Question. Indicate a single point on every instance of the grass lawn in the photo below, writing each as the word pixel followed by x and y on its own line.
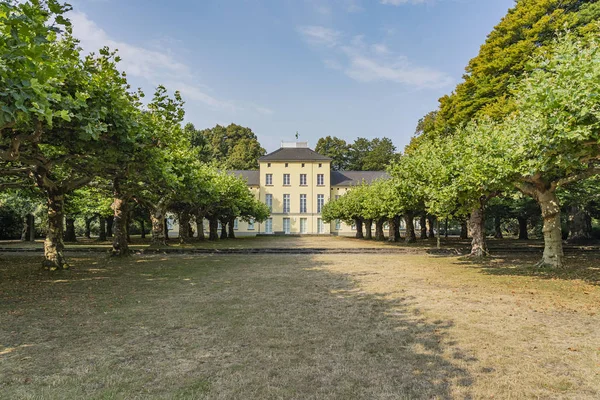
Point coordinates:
pixel 298 327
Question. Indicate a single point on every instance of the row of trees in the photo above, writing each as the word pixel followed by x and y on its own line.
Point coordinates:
pixel 73 131
pixel 526 119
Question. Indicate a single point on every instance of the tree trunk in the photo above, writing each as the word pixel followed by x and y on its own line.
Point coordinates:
pixel 53 245
pixel 523 234
pixel 553 247
pixel 394 230
pixel 431 221
pixel 143 228
pixel 213 228
pixel 102 234
pixel 223 229
pixel 28 234
pixel 157 218
pixel 477 227
pixel 464 230
pixel 109 226
pixel 579 227
pixel 120 246
pixel 446 228
pixel 368 227
pixel 498 227
pixel 128 227
pixel 166 227
pixel 409 218
pixel 423 226
pixel 231 225
pixel 70 235
pixel 200 226
pixel 184 227
pixel 88 227
pixel 358 222
pixel 379 235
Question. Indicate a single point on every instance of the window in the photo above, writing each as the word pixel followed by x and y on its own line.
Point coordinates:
pixel 303 223
pixel 320 227
pixel 268 165
pixel 235 224
pixel 302 179
pixel 338 224
pixel 286 179
pixel 251 225
pixel 320 202
pixel 286 226
pixel 286 165
pixel 302 165
pixel 302 203
pixel 269 201
pixel 286 203
pixel 337 196
pixel 269 225
pixel 320 165
pixel 269 179
pixel 219 227
pixel 320 180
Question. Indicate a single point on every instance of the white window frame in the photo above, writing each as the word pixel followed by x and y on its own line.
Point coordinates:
pixel 235 224
pixel 320 226
pixel 269 225
pixel 269 179
pixel 269 201
pixel 303 180
pixel 303 204
pixel 287 180
pixel 320 179
pixel 287 202
pixel 287 226
pixel 251 225
pixel 338 225
pixel 320 202
pixel 303 225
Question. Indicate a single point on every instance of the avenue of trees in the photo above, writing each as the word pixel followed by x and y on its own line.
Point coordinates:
pixel 74 136
pixel 518 138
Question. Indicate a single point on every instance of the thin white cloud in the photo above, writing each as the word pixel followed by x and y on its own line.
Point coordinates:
pixel 374 62
pixel 154 66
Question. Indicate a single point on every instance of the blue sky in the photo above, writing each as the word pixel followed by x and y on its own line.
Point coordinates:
pixel 346 68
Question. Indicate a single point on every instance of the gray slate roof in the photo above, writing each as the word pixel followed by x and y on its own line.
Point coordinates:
pixel 351 178
pixel 251 176
pixel 294 154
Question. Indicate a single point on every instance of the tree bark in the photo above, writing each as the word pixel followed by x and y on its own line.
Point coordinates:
pixel 157 218
pixel 498 227
pixel 477 227
pixel 423 226
pixel 128 226
pixel 223 229
pixel 394 229
pixel 523 234
pixel 120 245
pixel 464 230
pixel 553 248
pixel 409 218
pixel 102 234
pixel 53 244
pixel 166 227
pixel 143 228
pixel 231 225
pixel 368 227
pixel 184 227
pixel 70 235
pixel 379 235
pixel 431 221
pixel 446 228
pixel 213 228
pixel 579 226
pixel 109 226
pixel 200 225
pixel 88 226
pixel 358 222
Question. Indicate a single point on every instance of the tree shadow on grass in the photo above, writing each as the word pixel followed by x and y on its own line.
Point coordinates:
pixel 263 326
pixel 582 266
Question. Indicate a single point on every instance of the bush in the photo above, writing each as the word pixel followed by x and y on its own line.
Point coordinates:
pixel 11 225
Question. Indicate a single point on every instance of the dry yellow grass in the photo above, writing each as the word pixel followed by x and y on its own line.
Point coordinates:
pixel 297 327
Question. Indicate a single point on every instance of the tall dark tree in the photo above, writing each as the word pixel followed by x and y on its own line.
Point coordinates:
pixel 335 148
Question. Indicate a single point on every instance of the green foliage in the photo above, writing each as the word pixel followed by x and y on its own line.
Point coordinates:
pixel 362 155
pixel 335 148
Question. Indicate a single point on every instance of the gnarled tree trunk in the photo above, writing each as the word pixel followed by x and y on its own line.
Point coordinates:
pixel 120 246
pixel 394 229
pixel 368 227
pixel 199 225
pixel 53 245
pixel 358 222
pixel 28 233
pixel 411 237
pixel 184 227
pixel 379 235
pixel 477 228
pixel 431 222
pixel 464 230
pixel 423 226
pixel 166 227
pixel 553 248
pixel 109 226
pixel 157 217
pixel 223 229
pixel 70 235
pixel 88 226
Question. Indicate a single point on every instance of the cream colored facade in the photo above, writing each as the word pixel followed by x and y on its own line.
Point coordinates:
pixel 296 182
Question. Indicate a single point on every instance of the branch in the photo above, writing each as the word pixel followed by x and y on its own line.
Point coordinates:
pixel 77 183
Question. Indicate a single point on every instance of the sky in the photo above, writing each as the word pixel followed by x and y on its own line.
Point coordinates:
pixel 345 68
